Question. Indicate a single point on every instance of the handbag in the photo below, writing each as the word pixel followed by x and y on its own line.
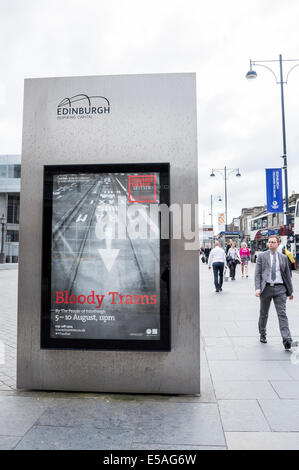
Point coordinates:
pixel 229 259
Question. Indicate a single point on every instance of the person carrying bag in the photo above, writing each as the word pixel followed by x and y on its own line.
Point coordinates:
pixel 245 257
pixel 232 260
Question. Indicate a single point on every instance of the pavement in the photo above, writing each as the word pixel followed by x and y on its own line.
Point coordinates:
pixel 249 397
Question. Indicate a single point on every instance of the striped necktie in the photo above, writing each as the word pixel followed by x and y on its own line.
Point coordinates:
pixel 273 269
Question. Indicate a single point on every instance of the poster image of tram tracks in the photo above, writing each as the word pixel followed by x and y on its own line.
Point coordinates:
pixel 105 280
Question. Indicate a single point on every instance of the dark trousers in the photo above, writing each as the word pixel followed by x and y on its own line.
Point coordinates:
pixel 232 270
pixel 279 296
pixel 218 274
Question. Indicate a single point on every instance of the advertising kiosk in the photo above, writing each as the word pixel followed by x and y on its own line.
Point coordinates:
pixel 108 296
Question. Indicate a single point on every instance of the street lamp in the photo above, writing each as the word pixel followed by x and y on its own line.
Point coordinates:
pixel 251 74
pixel 225 172
pixel 2 254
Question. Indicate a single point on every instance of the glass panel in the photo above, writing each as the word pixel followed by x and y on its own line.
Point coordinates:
pixel 12 236
pixel 106 268
pixel 13 209
pixel 17 171
pixel 3 171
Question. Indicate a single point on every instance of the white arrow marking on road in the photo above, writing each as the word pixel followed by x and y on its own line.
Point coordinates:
pixel 108 254
pixel 81 218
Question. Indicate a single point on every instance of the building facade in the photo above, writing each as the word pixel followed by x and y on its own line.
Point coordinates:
pixel 266 224
pixel 10 177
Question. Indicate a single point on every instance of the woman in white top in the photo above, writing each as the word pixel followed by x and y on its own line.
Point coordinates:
pixel 233 259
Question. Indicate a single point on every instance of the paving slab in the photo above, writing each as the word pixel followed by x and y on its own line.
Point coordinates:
pixel 249 328
pixel 18 414
pixel 212 329
pixel 262 352
pixel 8 442
pixel 292 369
pixel 287 389
pixel 244 390
pixel 262 440
pixel 242 415
pixel 216 341
pixel 75 438
pixel 104 413
pixel 4 387
pixel 204 366
pixel 282 417
pixel 221 353
pixel 154 446
pixel 248 370
pixel 180 424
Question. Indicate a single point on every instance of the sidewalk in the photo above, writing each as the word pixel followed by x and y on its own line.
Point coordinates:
pixel 249 399
pixel 256 385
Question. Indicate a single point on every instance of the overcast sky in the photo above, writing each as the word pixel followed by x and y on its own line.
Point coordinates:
pixel 239 122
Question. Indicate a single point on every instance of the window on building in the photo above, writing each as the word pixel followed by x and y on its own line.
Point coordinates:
pixel 13 209
pixel 3 171
pixel 12 236
pixel 14 171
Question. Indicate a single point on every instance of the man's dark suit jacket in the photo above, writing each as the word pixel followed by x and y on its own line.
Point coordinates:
pixel 263 268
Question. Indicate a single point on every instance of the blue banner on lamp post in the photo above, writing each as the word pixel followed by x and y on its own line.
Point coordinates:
pixel 274 190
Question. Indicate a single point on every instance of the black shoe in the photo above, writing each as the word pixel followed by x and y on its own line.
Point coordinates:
pixel 287 343
pixel 217 290
pixel 263 339
pixel 220 289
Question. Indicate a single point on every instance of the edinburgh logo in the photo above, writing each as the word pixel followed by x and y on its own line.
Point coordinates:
pixel 83 106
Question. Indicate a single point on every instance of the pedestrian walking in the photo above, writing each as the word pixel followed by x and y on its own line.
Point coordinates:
pixel 228 246
pixel 217 261
pixel 201 254
pixel 273 281
pixel 245 257
pixel 207 253
pixel 233 259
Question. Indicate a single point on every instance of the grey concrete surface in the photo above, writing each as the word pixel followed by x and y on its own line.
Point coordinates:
pixel 250 401
pixel 9 266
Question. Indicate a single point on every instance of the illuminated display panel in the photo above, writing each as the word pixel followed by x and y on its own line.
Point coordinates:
pixel 105 270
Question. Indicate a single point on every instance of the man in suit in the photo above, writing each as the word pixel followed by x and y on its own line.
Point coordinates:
pixel 273 281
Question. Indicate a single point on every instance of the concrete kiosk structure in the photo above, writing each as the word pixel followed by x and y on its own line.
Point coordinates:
pixel 151 118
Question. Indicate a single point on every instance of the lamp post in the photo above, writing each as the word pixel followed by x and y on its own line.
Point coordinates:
pixel 2 254
pixel 251 74
pixel 225 172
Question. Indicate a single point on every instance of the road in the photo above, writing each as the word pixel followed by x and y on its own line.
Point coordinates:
pixel 89 256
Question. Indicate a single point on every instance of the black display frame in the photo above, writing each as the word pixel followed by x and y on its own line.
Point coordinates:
pixel 47 342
